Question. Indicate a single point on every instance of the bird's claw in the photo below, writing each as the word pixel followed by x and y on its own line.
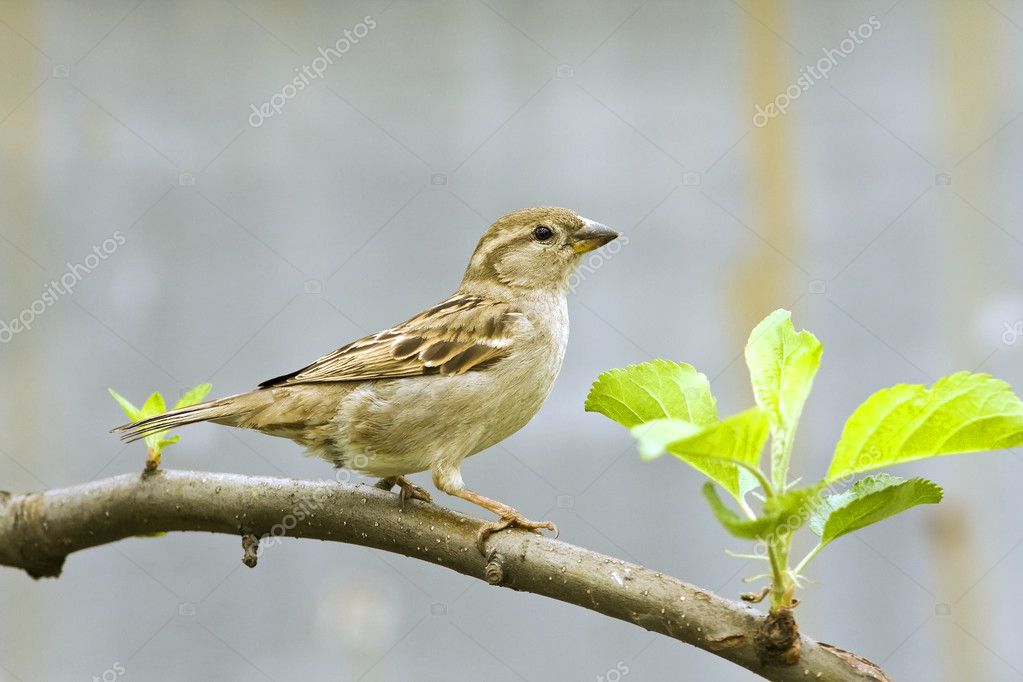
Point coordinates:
pixel 411 491
pixel 517 521
pixel 407 490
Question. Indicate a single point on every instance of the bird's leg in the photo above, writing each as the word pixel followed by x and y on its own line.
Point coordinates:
pixel 449 479
pixel 509 517
pixel 408 489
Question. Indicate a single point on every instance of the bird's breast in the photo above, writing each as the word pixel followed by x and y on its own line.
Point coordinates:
pixel 403 425
pixel 521 382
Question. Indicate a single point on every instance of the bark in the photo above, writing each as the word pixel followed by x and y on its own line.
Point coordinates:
pixel 39 530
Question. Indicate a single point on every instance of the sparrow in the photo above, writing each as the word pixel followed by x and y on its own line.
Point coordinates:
pixel 450 382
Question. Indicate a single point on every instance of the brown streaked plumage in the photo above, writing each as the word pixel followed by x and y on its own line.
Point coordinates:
pixel 441 386
pixel 452 337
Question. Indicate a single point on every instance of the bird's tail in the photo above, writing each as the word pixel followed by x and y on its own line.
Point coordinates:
pixel 228 411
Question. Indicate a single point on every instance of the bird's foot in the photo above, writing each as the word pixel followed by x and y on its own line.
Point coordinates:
pixel 407 489
pixel 512 520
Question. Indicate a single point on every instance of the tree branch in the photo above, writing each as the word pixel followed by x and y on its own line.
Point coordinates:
pixel 39 530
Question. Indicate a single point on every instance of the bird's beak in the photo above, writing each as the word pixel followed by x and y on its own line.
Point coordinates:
pixel 592 236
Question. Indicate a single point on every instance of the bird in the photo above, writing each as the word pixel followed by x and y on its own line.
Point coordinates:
pixel 450 382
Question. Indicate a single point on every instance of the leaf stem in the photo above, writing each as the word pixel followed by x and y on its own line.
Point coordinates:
pixel 778 585
pixel 807 559
pixel 780 464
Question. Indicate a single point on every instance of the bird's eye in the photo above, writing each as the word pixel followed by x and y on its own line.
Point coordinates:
pixel 542 233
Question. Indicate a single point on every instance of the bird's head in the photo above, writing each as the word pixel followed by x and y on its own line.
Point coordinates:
pixel 534 248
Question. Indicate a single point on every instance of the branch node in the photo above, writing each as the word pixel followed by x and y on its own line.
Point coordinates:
pixel 777 640
pixel 250 549
pixel 151 469
pixel 152 462
pixel 44 568
pixel 494 571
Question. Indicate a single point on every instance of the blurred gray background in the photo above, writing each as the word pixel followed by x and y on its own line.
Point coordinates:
pixel 883 208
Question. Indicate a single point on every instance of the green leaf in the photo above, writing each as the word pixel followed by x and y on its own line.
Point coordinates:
pixel 783 514
pixel 194 397
pixel 960 413
pixel 153 406
pixel 658 389
pixel 868 501
pixel 133 412
pixel 653 437
pixel 716 450
pixel 167 441
pixel 782 365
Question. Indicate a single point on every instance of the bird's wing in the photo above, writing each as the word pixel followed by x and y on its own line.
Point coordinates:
pixel 463 333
